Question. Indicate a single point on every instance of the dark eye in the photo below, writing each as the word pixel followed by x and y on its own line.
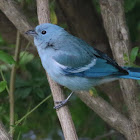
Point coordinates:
pixel 43 32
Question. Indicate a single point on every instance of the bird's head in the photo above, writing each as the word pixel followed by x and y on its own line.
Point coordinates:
pixel 44 33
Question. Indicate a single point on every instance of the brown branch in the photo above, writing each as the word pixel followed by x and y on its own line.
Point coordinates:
pixel 116 29
pixel 105 111
pixel 114 22
pixel 63 113
pixel 43 11
pixel 13 12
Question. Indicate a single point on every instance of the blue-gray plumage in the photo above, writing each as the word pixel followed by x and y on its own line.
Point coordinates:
pixel 73 63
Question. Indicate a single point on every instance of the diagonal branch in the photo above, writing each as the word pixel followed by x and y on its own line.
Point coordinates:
pixel 12 11
pixel 105 111
pixel 63 113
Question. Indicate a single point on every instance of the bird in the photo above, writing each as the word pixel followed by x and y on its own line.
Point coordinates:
pixel 73 63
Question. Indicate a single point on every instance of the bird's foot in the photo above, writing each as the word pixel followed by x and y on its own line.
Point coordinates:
pixel 62 103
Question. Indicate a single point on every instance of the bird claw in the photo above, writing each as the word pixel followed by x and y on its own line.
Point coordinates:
pixel 59 102
pixel 62 103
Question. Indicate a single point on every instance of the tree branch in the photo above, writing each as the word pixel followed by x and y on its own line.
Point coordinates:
pixel 105 111
pixel 12 84
pixel 116 29
pixel 63 113
pixel 114 22
pixel 3 134
pixel 13 12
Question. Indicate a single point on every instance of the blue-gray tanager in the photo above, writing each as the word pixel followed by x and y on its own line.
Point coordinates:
pixel 73 63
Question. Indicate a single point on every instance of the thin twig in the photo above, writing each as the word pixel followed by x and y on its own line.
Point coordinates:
pixel 20 132
pixel 26 115
pixel 12 83
pixel 25 49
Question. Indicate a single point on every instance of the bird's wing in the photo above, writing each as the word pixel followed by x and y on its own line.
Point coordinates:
pixel 77 58
pixel 97 65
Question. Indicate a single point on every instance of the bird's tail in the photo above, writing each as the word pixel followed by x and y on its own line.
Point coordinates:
pixel 134 73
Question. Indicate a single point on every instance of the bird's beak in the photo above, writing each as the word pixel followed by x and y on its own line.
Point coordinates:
pixel 31 32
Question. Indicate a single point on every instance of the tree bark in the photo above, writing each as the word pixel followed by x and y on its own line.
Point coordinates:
pixel 3 133
pixel 63 113
pixel 117 32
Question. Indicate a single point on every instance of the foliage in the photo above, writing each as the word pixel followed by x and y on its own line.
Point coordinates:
pixel 134 53
pixel 97 6
pixel 6 58
pixel 3 85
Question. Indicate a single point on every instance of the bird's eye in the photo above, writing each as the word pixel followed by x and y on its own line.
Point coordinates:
pixel 43 32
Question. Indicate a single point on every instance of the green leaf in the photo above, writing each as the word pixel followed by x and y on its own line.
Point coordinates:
pixel 3 85
pixel 126 58
pixel 133 54
pixel 93 92
pixel 25 58
pixel 6 58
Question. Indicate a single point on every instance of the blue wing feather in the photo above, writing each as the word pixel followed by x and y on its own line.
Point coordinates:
pixel 75 61
pixel 100 69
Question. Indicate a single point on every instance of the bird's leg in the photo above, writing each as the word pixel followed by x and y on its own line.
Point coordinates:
pixel 62 103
